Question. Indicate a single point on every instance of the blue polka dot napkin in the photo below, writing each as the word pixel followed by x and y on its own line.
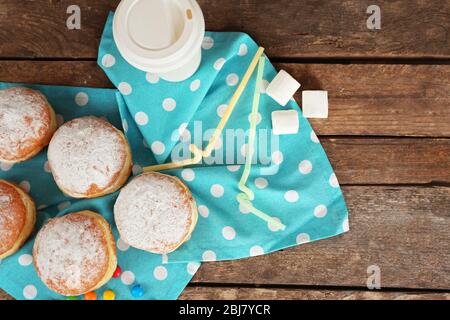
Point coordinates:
pixel 159 278
pixel 294 182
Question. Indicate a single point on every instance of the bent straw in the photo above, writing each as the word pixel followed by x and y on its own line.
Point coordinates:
pixel 247 194
pixel 198 153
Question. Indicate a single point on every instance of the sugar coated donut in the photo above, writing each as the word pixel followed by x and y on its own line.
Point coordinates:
pixel 27 123
pixel 155 213
pixel 17 218
pixel 75 253
pixel 89 157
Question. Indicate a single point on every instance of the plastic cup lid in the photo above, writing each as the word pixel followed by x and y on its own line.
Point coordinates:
pixel 160 35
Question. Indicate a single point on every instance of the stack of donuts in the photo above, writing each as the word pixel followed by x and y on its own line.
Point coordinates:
pixel 88 157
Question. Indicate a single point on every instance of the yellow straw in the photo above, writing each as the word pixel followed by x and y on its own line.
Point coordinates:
pixel 198 153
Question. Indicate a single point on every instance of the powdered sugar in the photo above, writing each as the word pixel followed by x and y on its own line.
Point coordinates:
pixel 70 252
pixel 86 154
pixel 153 212
pixel 23 120
pixel 5 219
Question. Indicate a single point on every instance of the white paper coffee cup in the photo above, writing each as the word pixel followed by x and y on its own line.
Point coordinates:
pixel 160 36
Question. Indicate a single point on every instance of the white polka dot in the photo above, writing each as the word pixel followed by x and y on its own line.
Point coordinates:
pixel 346 225
pixel 29 292
pixel 333 181
pixel 218 65
pixel 185 136
pixel 264 85
pixel 291 196
pixel 305 167
pixel 108 60
pixel 302 238
pixel 158 147
pixel 314 138
pixel 125 125
pixel 6 166
pixel 81 99
pixel 59 120
pixel 25 186
pixel 207 43
pixel 243 49
pixel 141 118
pixel 209 255
pixel 127 277
pixel 277 157
pixel 195 85
pixel 221 110
pixel 169 104
pixel 243 209
pixel 258 118
pixel 244 148
pixel 217 190
pixel 256 251
pixel 47 167
pixel 228 233
pixel 160 273
pixel 273 227
pixel 137 169
pixel 320 211
pixel 122 245
pixel 192 267
pixel 233 168
pixel 165 258
pixel 25 260
pixel 188 174
pixel 261 183
pixel 232 79
pixel 203 211
pixel 152 78
pixel 125 88
pixel 63 205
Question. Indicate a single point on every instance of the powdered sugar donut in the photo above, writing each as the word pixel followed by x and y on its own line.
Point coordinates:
pixel 75 253
pixel 17 218
pixel 155 212
pixel 89 157
pixel 27 123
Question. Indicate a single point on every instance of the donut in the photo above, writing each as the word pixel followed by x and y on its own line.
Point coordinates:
pixel 89 158
pixel 75 254
pixel 27 123
pixel 155 212
pixel 17 218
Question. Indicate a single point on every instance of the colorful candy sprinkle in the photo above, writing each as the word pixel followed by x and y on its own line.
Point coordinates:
pixel 72 298
pixel 117 272
pixel 90 296
pixel 109 295
pixel 137 291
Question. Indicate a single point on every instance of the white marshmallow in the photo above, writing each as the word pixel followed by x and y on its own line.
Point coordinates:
pixel 285 122
pixel 282 88
pixel 315 104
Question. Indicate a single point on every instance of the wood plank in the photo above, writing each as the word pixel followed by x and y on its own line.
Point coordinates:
pixel 225 293
pixel 367 99
pixel 403 230
pixel 288 29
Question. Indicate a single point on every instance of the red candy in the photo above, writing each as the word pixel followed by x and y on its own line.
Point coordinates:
pixel 117 273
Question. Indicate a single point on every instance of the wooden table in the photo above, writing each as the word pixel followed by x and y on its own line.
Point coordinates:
pixel 388 134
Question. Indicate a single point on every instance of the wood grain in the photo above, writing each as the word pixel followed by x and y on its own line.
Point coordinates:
pixel 288 29
pixel 224 293
pixel 366 99
pixel 403 230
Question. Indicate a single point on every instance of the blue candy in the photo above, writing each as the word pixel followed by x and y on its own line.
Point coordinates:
pixel 137 291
